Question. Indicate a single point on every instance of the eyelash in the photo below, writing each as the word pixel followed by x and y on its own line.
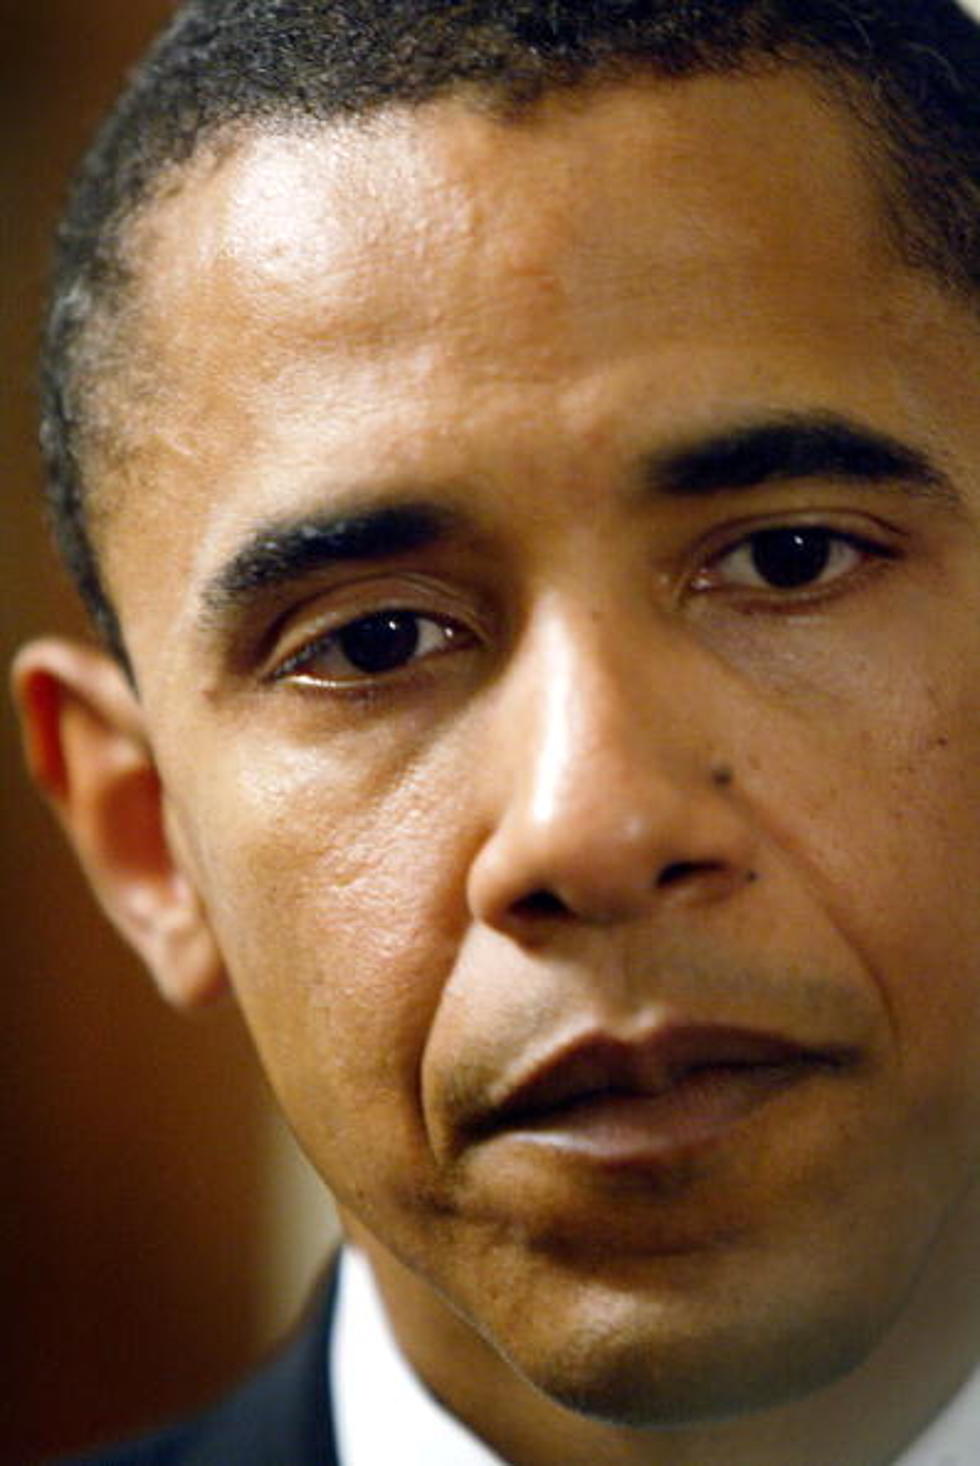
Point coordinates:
pixel 416 625
pixel 426 636
pixel 828 543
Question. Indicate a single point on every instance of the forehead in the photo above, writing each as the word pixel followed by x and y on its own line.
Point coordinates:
pixel 369 227
pixel 371 297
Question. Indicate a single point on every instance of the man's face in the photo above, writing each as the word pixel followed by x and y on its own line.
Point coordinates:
pixel 550 560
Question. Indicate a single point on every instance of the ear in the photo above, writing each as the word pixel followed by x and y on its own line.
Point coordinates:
pixel 88 753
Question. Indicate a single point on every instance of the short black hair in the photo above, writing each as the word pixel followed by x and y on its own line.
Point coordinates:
pixel 909 69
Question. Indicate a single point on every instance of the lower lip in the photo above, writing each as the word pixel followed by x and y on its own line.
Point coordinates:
pixel 638 1130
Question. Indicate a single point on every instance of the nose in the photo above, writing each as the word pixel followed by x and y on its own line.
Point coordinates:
pixel 607 787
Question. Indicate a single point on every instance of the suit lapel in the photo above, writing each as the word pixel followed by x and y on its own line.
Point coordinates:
pixel 282 1415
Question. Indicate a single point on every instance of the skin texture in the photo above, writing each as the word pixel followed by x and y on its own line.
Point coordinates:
pixel 630 785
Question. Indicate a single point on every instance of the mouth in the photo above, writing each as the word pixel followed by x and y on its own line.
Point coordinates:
pixel 645 1102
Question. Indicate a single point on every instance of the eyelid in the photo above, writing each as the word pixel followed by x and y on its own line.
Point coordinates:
pixel 320 646
pixel 319 622
pixel 870 537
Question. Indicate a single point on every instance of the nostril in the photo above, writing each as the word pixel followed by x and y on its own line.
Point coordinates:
pixel 683 870
pixel 540 903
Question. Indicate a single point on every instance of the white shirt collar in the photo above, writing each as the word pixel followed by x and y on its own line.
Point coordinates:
pixel 953 1437
pixel 383 1413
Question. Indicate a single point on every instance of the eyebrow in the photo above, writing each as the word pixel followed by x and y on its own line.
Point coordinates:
pixel 793 447
pixel 746 456
pixel 278 554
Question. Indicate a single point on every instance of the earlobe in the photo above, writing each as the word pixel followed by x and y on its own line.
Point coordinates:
pixel 88 752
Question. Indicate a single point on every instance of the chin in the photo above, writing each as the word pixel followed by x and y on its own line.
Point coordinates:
pixel 656 1373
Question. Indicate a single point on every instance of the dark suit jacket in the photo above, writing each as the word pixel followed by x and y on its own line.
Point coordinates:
pixel 281 1415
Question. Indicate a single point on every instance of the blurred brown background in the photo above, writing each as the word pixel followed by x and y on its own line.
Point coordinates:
pixel 140 1222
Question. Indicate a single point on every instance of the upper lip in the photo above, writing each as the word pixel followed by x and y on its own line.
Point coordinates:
pixel 602 1064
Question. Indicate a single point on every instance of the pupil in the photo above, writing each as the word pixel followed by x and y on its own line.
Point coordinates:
pixel 790 558
pixel 381 643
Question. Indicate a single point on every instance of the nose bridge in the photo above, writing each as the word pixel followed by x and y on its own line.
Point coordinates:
pixel 605 791
pixel 586 715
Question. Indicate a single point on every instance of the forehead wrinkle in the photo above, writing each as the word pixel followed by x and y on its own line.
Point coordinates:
pixel 295 276
pixel 291 215
pixel 253 228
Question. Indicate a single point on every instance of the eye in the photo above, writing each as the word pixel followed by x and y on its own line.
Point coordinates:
pixel 371 646
pixel 789 558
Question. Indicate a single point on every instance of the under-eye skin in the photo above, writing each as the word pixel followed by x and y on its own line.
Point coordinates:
pixel 371 648
pixel 787 562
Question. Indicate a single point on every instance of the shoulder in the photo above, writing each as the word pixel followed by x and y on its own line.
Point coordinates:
pixel 166 1449
pixel 280 1414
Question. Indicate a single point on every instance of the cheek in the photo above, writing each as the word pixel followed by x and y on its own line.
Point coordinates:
pixel 338 905
pixel 879 810
pixel 931 847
